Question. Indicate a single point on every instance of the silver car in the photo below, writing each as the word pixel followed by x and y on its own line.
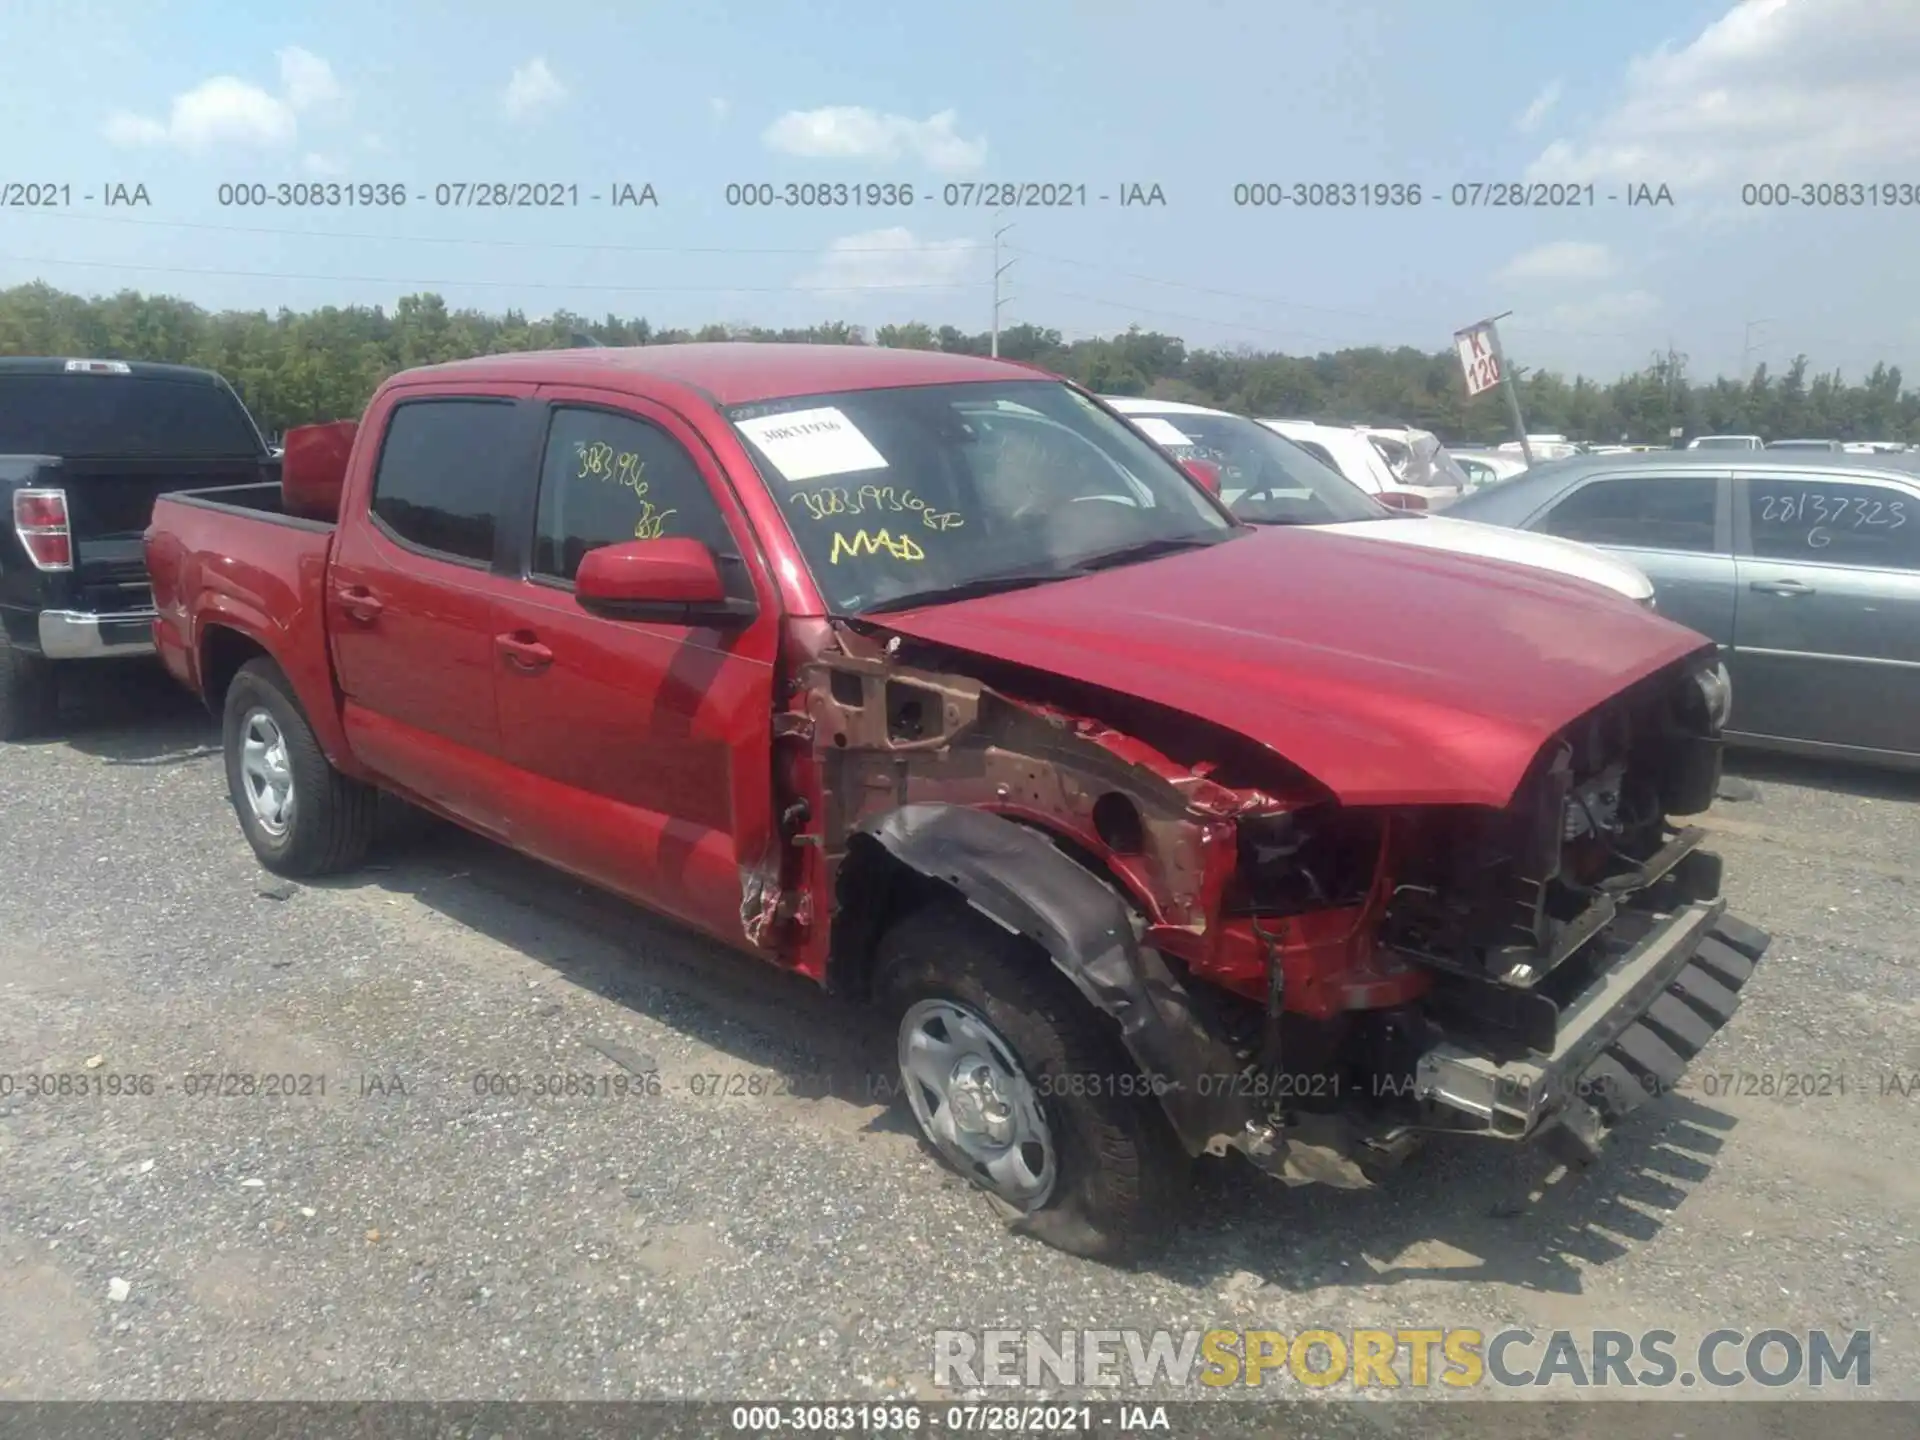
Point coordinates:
pixel 1805 567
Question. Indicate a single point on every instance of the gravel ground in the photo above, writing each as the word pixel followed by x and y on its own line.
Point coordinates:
pixel 405 1236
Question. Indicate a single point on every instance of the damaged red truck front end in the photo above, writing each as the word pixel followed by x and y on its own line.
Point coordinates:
pixel 1340 885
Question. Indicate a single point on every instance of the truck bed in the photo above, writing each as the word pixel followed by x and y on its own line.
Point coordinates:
pixel 230 559
pixel 261 501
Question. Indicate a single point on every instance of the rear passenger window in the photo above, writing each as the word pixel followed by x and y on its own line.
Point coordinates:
pixel 1834 523
pixel 609 478
pixel 1647 512
pixel 442 475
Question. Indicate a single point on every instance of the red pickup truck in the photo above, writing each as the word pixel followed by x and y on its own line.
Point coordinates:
pixel 928 677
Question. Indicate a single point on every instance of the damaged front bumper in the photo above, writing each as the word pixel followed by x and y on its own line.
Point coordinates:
pixel 1627 1038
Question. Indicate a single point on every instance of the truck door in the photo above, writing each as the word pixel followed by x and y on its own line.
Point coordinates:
pixel 412 584
pixel 645 749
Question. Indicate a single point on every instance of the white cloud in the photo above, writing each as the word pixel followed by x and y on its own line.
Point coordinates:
pixel 533 88
pixel 220 111
pixel 1561 260
pixel 323 166
pixel 227 110
pixel 1787 90
pixel 308 80
pixel 1531 117
pixel 720 107
pixel 890 259
pixel 839 132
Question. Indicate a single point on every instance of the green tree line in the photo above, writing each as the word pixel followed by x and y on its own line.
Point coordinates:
pixel 295 368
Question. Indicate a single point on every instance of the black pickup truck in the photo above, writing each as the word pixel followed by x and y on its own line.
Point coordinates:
pixel 85 447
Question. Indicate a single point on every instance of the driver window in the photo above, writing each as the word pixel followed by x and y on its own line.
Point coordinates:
pixel 608 478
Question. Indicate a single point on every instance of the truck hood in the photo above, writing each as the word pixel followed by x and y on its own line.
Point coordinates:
pixel 1393 675
pixel 1496 542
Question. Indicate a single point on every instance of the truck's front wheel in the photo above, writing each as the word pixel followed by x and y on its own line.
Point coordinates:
pixel 302 816
pixel 29 700
pixel 1024 1089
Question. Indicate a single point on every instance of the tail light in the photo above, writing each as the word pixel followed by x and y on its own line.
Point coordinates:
pixel 40 520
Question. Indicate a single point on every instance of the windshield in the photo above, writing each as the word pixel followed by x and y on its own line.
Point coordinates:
pixel 902 494
pixel 1264 477
pixel 131 416
pixel 1725 442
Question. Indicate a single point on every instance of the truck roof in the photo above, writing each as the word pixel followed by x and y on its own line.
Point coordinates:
pixel 733 372
pixel 139 369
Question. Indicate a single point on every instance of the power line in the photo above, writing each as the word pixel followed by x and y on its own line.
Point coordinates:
pixel 491 284
pixel 926 247
pixel 931 245
pixel 1264 330
pixel 1376 315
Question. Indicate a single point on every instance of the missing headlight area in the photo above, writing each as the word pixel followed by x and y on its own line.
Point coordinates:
pixel 1518 909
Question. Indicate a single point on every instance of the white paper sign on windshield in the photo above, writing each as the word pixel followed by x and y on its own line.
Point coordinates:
pixel 1161 432
pixel 807 444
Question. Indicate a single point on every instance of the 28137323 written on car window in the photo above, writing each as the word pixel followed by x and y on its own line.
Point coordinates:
pixel 1834 523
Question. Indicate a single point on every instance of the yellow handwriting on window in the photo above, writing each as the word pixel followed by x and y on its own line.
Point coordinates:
pixel 600 461
pixel 832 500
pixel 652 523
pixel 872 542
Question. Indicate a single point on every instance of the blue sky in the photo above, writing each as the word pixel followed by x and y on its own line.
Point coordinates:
pixel 1194 96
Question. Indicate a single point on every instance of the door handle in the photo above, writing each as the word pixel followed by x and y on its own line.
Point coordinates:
pixel 523 652
pixel 360 603
pixel 1787 588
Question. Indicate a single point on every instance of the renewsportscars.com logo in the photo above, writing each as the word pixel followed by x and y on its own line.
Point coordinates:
pixel 1366 1359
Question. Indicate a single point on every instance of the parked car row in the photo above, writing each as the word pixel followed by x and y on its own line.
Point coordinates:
pixel 1403 470
pixel 1754 442
pixel 1269 479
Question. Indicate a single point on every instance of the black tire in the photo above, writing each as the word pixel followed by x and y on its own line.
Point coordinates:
pixel 1120 1169
pixel 333 817
pixel 29 697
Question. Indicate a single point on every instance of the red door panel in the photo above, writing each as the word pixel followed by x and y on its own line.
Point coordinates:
pixel 643 751
pixel 412 627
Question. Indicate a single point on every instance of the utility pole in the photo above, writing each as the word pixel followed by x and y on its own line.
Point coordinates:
pixel 1675 391
pixel 1510 384
pixel 1746 347
pixel 998 299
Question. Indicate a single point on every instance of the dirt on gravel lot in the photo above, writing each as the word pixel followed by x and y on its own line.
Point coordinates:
pixel 758 1221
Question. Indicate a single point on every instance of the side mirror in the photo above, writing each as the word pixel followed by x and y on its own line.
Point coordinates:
pixel 1401 500
pixel 1205 472
pixel 671 582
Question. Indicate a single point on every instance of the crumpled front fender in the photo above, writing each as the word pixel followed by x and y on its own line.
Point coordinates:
pixel 1017 877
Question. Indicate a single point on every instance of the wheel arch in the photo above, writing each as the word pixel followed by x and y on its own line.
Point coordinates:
pixel 1020 879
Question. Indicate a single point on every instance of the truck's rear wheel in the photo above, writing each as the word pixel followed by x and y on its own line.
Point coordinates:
pixel 1024 1088
pixel 302 816
pixel 29 698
